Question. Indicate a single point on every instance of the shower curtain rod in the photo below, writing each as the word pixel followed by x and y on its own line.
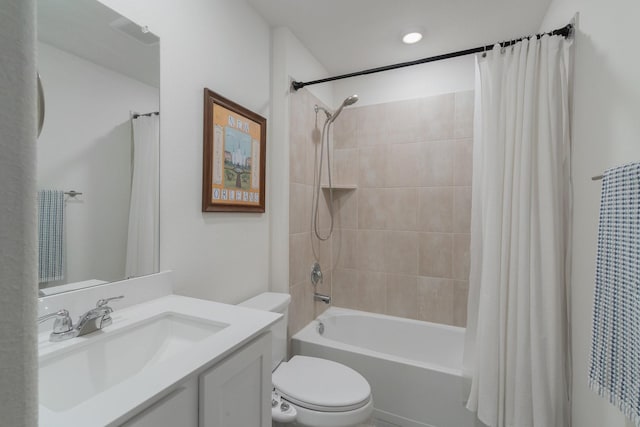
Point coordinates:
pixel 565 31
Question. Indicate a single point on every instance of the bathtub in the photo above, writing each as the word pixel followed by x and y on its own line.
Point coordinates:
pixel 414 367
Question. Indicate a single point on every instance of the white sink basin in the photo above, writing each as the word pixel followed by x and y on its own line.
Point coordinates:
pixel 105 359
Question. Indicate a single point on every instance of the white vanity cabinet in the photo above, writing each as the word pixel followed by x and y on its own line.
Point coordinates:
pixel 233 393
pixel 179 408
pixel 237 391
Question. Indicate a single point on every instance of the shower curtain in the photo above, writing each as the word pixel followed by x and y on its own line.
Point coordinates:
pixel 516 348
pixel 143 234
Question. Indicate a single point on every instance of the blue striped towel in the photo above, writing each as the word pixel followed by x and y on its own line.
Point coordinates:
pixel 50 235
pixel 615 341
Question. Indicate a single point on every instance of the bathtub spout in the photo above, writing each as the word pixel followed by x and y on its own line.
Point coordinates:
pixel 324 298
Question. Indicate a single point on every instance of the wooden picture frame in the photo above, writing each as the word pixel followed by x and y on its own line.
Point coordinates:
pixel 234 157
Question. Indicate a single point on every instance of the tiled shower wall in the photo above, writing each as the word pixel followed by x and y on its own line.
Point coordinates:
pixel 402 244
pixel 304 140
pixel 401 239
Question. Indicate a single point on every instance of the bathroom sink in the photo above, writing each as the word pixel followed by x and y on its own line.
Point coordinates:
pixel 107 358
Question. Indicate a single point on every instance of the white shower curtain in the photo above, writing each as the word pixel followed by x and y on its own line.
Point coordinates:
pixel 516 349
pixel 143 236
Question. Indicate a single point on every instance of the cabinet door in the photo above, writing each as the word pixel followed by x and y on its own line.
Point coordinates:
pixel 236 392
pixel 179 408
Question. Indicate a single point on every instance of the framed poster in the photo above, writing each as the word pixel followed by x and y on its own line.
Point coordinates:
pixel 234 159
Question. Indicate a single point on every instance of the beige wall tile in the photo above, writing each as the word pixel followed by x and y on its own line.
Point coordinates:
pixel 401 165
pixel 371 250
pixel 461 243
pixel 462 210
pixel 463 124
pixel 299 257
pixel 321 251
pixel 345 129
pixel 324 153
pixel 345 254
pixel 400 252
pixel 345 166
pixel 402 296
pixel 460 294
pixel 372 290
pixel 463 162
pixel 298 116
pixel 435 300
pixel 300 309
pixel 372 212
pixel 313 155
pixel 435 254
pixel 435 210
pixel 435 117
pixel 346 208
pixel 298 162
pixel 345 288
pixel 372 166
pixel 435 164
pixel 403 123
pixel 323 209
pixel 400 207
pixel 372 124
pixel 299 207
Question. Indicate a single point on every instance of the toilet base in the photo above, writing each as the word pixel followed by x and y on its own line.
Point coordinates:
pixel 310 418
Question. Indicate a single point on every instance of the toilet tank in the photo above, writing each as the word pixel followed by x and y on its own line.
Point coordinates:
pixel 276 303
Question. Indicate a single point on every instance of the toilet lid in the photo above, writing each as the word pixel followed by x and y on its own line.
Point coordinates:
pixel 321 384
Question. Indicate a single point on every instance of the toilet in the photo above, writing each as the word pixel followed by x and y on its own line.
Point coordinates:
pixel 309 391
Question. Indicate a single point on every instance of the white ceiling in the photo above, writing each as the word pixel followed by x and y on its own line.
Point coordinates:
pixel 352 35
pixel 82 27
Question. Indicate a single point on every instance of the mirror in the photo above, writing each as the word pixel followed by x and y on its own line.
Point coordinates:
pixel 98 153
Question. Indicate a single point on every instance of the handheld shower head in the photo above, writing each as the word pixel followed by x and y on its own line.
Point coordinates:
pixel 349 101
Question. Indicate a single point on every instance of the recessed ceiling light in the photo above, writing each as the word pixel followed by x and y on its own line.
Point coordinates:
pixel 412 37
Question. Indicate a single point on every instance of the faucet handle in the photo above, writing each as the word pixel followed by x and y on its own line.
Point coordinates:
pixel 106 318
pixel 62 327
pixel 63 321
pixel 104 301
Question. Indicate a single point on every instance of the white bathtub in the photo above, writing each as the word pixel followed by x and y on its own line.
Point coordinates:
pixel 414 367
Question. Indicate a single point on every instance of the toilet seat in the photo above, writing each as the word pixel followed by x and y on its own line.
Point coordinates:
pixel 321 385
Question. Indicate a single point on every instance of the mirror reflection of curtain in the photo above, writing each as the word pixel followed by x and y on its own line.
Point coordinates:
pixel 143 235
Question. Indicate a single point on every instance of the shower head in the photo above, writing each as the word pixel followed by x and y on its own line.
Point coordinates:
pixel 349 101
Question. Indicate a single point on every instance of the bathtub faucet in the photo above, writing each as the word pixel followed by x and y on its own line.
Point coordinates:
pixel 324 298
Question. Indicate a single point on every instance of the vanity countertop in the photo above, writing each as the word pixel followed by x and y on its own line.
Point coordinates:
pixel 122 400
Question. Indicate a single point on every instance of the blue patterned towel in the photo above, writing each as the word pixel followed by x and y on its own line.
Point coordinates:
pixel 615 342
pixel 50 235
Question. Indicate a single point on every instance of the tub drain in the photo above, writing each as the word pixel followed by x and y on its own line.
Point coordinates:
pixel 320 328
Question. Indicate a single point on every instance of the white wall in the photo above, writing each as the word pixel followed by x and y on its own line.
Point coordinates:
pixel 222 45
pixel 18 248
pixel 606 133
pixel 418 81
pixel 291 60
pixel 85 146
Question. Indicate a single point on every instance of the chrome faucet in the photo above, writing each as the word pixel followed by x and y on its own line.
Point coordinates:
pixel 96 318
pixel 91 321
pixel 62 327
pixel 323 298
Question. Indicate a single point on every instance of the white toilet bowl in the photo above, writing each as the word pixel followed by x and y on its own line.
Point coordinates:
pixel 322 393
pixel 309 391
